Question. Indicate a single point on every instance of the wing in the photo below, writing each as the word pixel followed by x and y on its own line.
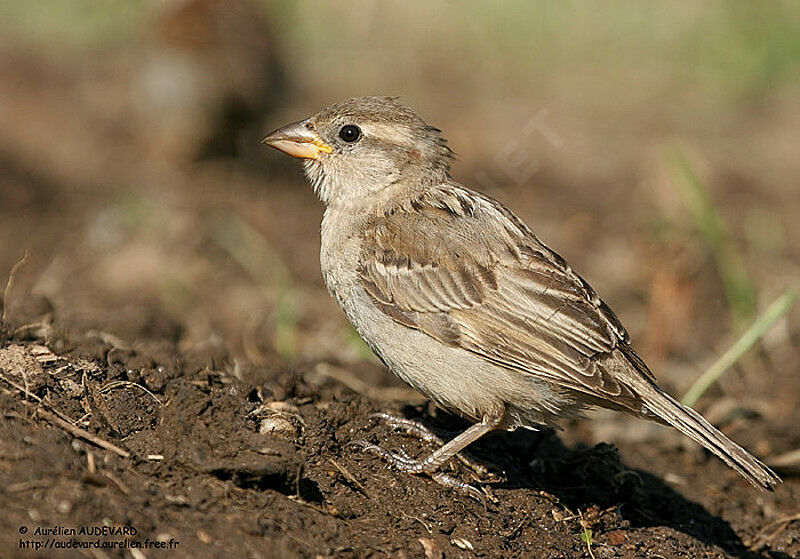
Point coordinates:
pixel 463 269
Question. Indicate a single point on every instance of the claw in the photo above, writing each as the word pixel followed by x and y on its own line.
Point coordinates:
pixel 460 486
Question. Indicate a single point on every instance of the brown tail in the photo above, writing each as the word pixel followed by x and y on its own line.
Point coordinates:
pixel 695 426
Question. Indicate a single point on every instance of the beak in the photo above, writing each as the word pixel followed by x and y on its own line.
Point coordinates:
pixel 298 139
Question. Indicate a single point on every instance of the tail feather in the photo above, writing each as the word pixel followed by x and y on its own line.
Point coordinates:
pixel 697 428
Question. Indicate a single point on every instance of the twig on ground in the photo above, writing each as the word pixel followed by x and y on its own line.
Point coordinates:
pixel 350 477
pixel 65 422
pixel 760 540
pixel 587 535
pixel 31 396
pixel 753 334
pixel 83 433
pixel 116 481
pixel 27 485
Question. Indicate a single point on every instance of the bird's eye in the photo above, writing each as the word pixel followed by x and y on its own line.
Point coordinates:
pixel 350 133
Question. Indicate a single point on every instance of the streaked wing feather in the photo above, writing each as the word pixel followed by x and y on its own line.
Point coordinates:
pixel 461 268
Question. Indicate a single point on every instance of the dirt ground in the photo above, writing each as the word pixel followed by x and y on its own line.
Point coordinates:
pixel 121 422
pixel 175 380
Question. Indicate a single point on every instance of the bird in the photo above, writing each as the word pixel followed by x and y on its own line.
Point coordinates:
pixel 460 299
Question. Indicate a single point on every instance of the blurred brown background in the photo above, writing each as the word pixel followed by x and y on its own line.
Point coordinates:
pixel 131 170
pixel 166 294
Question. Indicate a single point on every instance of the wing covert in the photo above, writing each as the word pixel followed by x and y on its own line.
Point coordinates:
pixel 464 270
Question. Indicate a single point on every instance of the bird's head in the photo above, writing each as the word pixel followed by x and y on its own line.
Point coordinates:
pixel 363 146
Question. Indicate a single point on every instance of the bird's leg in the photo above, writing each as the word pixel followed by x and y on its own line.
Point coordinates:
pixel 423 433
pixel 433 462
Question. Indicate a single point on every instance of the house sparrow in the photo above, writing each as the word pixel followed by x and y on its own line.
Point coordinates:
pixel 459 298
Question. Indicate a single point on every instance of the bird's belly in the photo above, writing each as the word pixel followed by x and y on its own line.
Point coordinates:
pixel 452 377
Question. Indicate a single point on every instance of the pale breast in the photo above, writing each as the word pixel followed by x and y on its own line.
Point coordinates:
pixel 454 378
pixel 339 251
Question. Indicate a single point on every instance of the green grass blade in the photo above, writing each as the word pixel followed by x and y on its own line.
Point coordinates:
pixel 751 336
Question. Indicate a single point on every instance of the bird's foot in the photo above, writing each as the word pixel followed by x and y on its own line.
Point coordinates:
pixel 405 463
pixel 423 433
